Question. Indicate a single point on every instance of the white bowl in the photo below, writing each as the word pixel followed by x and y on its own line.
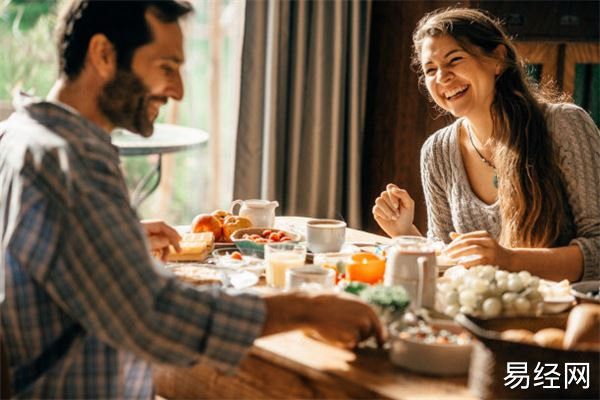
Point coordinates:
pixel 555 305
pixel 430 358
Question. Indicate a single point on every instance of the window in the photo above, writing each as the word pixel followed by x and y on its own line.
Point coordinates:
pixel 193 181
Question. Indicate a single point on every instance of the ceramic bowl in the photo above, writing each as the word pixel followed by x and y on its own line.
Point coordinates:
pixel 430 358
pixel 250 247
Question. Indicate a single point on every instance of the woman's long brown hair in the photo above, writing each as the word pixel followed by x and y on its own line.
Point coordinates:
pixel 533 205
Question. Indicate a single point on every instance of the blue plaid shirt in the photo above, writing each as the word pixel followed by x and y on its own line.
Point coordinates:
pixel 87 309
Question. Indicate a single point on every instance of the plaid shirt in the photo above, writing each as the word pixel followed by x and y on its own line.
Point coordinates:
pixel 86 308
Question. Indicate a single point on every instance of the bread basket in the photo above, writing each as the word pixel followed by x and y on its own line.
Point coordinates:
pixel 491 355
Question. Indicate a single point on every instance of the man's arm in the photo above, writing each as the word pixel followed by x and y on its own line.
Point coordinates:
pixel 97 267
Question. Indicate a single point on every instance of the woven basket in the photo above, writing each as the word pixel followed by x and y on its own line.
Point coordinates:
pixel 491 355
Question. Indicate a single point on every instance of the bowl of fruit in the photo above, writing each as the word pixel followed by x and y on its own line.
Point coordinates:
pixel 251 241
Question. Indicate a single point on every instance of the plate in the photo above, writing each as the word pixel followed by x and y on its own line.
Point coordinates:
pixel 224 261
pixel 581 289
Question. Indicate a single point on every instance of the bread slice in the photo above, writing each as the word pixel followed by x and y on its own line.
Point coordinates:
pixel 194 247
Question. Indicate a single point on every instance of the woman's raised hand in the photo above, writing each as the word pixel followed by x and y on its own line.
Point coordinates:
pixel 394 211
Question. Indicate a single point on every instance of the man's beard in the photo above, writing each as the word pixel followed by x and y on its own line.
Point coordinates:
pixel 124 101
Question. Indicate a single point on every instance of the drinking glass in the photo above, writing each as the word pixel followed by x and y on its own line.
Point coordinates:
pixel 309 278
pixel 280 257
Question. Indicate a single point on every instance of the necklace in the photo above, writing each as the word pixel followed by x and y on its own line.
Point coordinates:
pixel 485 160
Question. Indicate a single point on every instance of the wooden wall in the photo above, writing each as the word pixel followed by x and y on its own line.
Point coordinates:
pixel 399 117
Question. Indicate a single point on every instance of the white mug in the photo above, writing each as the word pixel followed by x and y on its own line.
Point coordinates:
pixel 325 235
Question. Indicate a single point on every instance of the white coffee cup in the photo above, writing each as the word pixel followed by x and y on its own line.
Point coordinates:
pixel 325 235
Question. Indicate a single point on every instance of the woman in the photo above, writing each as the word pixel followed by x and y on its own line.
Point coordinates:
pixel 514 181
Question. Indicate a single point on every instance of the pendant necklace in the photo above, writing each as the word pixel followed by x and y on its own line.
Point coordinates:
pixel 495 177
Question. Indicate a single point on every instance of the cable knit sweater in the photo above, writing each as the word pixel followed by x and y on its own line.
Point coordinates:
pixel 452 205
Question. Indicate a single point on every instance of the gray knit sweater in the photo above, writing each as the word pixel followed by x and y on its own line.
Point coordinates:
pixel 452 205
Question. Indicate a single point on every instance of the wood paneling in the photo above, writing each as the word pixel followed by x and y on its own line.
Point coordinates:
pixel 547 20
pixel 545 53
pixel 578 53
pixel 399 118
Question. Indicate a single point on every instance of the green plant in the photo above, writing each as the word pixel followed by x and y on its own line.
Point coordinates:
pixel 29 61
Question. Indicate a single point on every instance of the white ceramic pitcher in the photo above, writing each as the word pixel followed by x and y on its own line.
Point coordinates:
pixel 260 212
pixel 411 263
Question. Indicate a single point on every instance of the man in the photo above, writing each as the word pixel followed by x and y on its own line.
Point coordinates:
pixel 86 309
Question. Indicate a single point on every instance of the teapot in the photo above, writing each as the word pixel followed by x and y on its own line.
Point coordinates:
pixel 260 212
pixel 411 262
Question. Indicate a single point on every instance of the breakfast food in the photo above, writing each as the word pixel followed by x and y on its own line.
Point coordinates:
pixel 583 328
pixel 488 292
pixel 268 236
pixel 207 223
pixel 232 223
pixel 194 247
pixel 221 223
pixel 582 333
pixel 196 274
pixel 221 215
pixel 518 335
pixel 431 334
pixel 550 337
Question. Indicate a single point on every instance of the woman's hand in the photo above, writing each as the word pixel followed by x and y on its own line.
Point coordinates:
pixel 394 211
pixel 160 236
pixel 480 248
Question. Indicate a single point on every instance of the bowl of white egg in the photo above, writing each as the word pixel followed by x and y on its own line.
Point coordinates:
pixel 488 292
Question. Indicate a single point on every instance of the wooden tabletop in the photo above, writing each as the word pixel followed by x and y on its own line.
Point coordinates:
pixel 292 365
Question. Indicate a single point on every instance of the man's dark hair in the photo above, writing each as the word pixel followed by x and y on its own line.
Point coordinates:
pixel 122 22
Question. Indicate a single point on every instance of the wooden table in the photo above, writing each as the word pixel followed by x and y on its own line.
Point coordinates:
pixel 291 365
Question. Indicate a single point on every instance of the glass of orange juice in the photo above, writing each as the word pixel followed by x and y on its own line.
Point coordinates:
pixel 280 257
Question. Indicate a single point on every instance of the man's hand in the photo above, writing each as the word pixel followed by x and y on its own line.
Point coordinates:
pixel 160 235
pixel 340 319
pixel 394 211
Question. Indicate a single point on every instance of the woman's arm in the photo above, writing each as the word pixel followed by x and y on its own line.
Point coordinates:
pixel 477 248
pixel 578 148
pixel 555 264
pixel 433 177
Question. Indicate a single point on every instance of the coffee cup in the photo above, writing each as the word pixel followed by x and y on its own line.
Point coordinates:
pixel 325 235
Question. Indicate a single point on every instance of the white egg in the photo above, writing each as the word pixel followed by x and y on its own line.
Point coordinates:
pixel 522 305
pixel 525 277
pixel 534 282
pixel 534 296
pixel 479 285
pixel 494 290
pixel 468 298
pixel 492 307
pixel 502 285
pixel 515 284
pixel 501 274
pixel 509 298
pixel 488 273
